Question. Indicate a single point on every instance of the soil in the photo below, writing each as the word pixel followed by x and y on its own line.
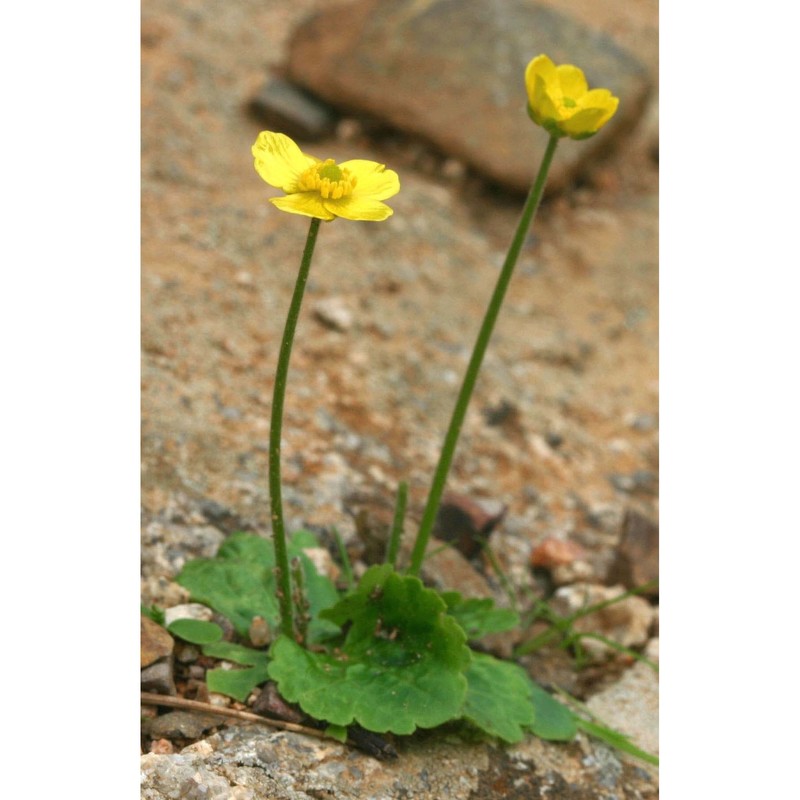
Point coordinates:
pixel 574 354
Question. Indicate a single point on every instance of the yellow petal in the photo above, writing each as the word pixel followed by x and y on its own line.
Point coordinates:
pixel 560 101
pixel 599 98
pixel 588 120
pixel 542 67
pixel 308 204
pixel 572 81
pixel 358 208
pixel 279 161
pixel 373 180
pixel 543 103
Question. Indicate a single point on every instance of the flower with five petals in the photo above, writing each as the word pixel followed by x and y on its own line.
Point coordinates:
pixel 323 189
pixel 559 99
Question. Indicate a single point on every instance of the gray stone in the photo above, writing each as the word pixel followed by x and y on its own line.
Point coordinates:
pixel 642 481
pixel 158 678
pixel 183 776
pixel 284 107
pixel 334 313
pixel 631 705
pixel 636 562
pixel 181 725
pixel 452 72
pixel 248 762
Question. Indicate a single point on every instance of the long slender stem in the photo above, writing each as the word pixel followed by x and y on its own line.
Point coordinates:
pixel 279 392
pixel 460 410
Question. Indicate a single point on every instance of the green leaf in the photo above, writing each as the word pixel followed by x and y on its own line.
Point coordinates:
pixel 616 739
pixel 499 697
pixel 154 613
pixel 236 683
pixel 240 582
pixel 337 732
pixel 238 653
pixel 196 631
pixel 552 720
pixel 321 593
pixel 479 616
pixel 400 667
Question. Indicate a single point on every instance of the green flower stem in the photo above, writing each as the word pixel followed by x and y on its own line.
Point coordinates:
pixel 397 523
pixel 460 410
pixel 278 393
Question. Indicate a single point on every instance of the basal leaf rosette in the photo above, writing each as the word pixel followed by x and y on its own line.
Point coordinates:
pixel 559 99
pixel 323 189
pixel 400 667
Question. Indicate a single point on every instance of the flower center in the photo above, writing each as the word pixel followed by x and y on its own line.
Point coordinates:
pixel 330 180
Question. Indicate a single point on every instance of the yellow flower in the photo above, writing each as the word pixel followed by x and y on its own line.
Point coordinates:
pixel 560 101
pixel 323 189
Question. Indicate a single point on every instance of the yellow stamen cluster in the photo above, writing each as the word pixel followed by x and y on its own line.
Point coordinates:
pixel 327 178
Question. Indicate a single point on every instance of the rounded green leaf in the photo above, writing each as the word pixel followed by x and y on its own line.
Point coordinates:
pixel 196 631
pixel 553 720
pixel 240 582
pixel 499 697
pixel 401 666
pixel 236 683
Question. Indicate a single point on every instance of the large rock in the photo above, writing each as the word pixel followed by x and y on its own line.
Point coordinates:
pixel 241 763
pixel 452 71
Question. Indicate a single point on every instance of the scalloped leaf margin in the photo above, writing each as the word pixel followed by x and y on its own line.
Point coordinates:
pixel 401 666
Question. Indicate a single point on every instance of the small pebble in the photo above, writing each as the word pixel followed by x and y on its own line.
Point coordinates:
pixel 259 632
pixel 334 314
pixel 186 653
pixel 467 523
pixel 158 678
pixel 555 552
pixel 643 422
pixel 188 611
pixel 642 480
pixel 636 561
pixel 323 562
pixel 245 278
pixel 555 440
pixel 155 642
pixel 453 169
pixel 500 413
pixel 162 747
pixel 349 129
pixel 565 574
pixel 182 725
pixel 623 483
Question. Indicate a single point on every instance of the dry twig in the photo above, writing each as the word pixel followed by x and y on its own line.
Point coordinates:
pixel 152 699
